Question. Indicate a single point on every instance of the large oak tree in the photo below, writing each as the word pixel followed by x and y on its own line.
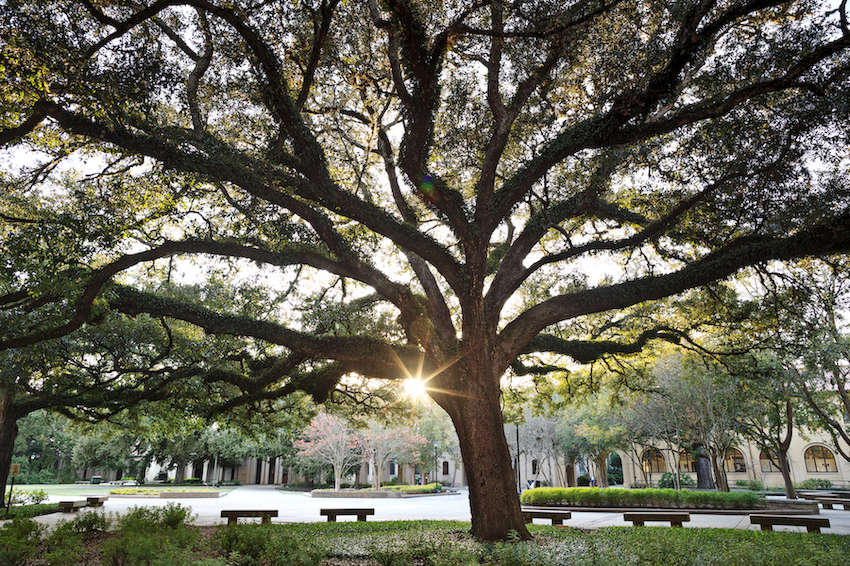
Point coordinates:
pixel 424 187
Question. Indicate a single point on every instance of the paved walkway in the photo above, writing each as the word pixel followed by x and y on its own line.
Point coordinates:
pixel 301 508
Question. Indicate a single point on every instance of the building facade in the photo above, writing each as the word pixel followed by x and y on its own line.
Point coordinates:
pixel 810 457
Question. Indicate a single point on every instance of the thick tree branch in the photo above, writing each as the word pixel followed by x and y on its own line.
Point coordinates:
pixel 825 237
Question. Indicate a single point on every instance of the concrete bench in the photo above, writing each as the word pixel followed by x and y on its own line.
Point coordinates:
pixel 828 502
pixel 556 515
pixel 96 500
pixel 332 514
pixel 232 516
pixel 72 506
pixel 639 518
pixel 812 524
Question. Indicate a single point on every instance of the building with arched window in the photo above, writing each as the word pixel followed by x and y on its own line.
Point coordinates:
pixel 809 458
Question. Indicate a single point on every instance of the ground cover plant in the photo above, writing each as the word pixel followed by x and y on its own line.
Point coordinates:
pixel 667 498
pixel 159 537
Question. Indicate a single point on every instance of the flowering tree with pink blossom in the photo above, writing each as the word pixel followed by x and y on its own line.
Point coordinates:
pixel 379 445
pixel 329 440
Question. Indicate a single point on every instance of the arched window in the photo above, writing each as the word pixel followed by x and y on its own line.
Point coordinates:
pixel 653 462
pixel 819 459
pixel 767 465
pixel 733 461
pixel 686 464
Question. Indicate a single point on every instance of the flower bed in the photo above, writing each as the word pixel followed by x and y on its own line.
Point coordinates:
pixel 163 493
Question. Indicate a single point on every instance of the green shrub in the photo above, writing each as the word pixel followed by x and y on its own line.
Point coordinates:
pixel 814 483
pixel 583 480
pixel 92 522
pixel 19 539
pixel 34 497
pixel 668 481
pixel 248 544
pixel 427 488
pixel 64 545
pixel 595 497
pixel 752 485
pixel 151 536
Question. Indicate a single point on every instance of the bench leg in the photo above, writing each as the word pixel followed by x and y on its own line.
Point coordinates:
pixel 232 521
pixel 361 518
pixel 266 520
pixel 557 521
pixel 637 523
pixel 766 527
pixel 331 518
pixel 813 529
pixel 676 524
pixel 827 505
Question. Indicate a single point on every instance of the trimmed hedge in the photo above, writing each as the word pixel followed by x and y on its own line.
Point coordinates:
pixel 661 498
pixel 427 488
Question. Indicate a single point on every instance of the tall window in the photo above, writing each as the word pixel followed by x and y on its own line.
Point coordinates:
pixel 819 459
pixel 653 462
pixel 534 467
pixel 767 464
pixel 686 464
pixel 733 461
pixel 445 468
pixel 392 467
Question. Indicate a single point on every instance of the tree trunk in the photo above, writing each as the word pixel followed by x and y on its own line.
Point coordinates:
pixel 8 433
pixel 601 461
pixel 337 477
pixel 719 473
pixel 180 474
pixel 785 468
pixel 782 452
pixel 493 497
pixel 703 466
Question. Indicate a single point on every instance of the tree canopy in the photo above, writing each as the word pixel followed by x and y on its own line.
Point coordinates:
pixel 388 188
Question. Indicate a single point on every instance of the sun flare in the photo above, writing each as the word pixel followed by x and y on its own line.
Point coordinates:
pixel 414 387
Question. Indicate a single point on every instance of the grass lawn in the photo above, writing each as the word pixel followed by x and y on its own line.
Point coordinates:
pixel 159 537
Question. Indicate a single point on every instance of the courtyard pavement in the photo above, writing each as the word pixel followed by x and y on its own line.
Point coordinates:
pixel 297 507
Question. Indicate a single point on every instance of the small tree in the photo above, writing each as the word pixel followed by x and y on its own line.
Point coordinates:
pixel 329 440
pixel 379 445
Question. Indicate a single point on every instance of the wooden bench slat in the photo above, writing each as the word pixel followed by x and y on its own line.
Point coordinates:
pixel 639 518
pixel 557 516
pixel 828 502
pixel 72 506
pixel 233 515
pixel 332 514
pixel 767 522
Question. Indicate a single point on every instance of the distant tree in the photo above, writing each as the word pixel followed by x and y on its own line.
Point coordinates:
pixel 105 450
pixel 809 302
pixel 45 442
pixel 708 401
pixel 593 427
pixel 329 440
pixel 770 412
pixel 93 374
pixel 380 444
pixel 434 424
pixel 539 441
